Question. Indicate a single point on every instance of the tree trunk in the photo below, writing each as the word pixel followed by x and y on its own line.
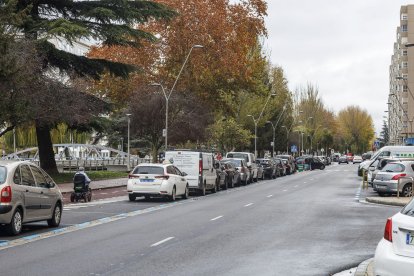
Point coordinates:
pixel 45 146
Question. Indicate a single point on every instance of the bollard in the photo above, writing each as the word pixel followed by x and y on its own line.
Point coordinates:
pixel 398 187
pixel 364 179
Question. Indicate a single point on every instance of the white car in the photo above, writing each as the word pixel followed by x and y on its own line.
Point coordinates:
pixel 357 159
pixel 395 252
pixel 157 180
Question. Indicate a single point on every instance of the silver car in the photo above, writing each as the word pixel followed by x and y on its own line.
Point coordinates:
pixel 27 194
pixel 386 181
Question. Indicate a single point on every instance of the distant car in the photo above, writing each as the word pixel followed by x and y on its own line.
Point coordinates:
pixel 386 181
pixel 280 167
pixel 357 159
pixel 316 163
pixel 157 180
pixel 27 194
pixel 395 252
pixel 222 181
pixel 290 160
pixel 250 160
pixel 268 166
pixel 233 175
pixel 343 159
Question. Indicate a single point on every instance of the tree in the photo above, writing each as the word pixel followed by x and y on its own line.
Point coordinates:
pixel 356 128
pixel 385 137
pixel 110 22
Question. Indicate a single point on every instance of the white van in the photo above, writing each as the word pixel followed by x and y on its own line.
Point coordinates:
pixel 389 152
pixel 250 161
pixel 199 167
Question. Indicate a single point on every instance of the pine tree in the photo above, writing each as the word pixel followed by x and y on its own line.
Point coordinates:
pixel 385 134
pixel 112 22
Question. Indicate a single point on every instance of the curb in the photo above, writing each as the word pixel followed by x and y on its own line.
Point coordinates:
pixel 98 188
pixel 391 203
pixel 365 268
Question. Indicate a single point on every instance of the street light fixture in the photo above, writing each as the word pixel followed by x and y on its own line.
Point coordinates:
pixel 129 158
pixel 167 97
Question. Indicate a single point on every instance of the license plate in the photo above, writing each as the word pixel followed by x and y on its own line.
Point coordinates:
pixel 147 180
pixel 410 239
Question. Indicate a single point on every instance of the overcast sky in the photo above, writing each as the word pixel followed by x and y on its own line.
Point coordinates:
pixel 343 47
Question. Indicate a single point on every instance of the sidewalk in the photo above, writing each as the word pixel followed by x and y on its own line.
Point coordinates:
pixel 365 268
pixel 394 201
pixel 96 185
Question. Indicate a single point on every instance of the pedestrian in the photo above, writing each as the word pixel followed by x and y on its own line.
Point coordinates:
pixel 81 171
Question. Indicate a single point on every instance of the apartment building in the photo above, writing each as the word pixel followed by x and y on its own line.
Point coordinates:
pixel 401 98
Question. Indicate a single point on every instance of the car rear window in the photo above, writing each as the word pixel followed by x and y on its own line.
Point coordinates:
pixel 393 167
pixel 409 209
pixel 3 174
pixel 148 170
pixel 239 155
pixel 236 163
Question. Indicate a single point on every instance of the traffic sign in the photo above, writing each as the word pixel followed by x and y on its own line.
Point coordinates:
pixel 293 148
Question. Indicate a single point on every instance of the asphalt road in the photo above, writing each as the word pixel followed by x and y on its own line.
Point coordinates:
pixel 310 223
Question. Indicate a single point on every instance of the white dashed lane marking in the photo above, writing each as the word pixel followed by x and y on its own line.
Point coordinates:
pixel 161 242
pixel 216 218
pixel 247 205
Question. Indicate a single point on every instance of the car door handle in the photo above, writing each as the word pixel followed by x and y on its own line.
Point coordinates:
pixel 27 191
pixel 41 192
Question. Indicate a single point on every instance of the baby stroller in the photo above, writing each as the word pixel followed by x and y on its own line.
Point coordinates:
pixel 81 189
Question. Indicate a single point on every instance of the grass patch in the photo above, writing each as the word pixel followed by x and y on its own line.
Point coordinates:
pixel 93 175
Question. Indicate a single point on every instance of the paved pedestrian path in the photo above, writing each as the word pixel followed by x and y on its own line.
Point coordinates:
pixel 96 185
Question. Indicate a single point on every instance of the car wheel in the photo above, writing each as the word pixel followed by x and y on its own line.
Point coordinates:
pixel 239 181
pixel 173 194
pixel 226 183
pixel 90 195
pixel 407 190
pixel 322 167
pixel 185 195
pixel 147 197
pixel 15 226
pixel 257 178
pixel 132 197
pixel 72 198
pixel 85 197
pixel 56 217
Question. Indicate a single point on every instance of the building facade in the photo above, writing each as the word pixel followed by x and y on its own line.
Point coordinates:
pixel 401 98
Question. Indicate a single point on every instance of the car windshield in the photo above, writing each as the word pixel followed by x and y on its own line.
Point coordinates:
pixel 3 174
pixel 408 209
pixel 238 155
pixel 235 162
pixel 148 170
pixel 393 167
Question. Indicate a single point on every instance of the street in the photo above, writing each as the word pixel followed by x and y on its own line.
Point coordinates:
pixel 310 223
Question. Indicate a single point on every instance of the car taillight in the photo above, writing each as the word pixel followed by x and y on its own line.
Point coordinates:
pixel 388 230
pixel 133 176
pixel 200 166
pixel 398 176
pixel 163 177
pixel 6 195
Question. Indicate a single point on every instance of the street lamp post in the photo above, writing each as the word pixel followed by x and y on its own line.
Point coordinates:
pixel 129 122
pixel 302 142
pixel 256 121
pixel 255 134
pixel 14 140
pixel 274 133
pixel 167 97
pixel 287 139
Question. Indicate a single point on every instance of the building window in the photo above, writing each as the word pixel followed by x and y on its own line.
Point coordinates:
pixel 405 88
pixel 404 28
pixel 404 52
pixel 404 16
pixel 405 76
pixel 405 64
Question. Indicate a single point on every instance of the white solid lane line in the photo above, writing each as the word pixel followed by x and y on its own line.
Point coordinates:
pixel 247 205
pixel 216 218
pixel 285 190
pixel 161 242
pixel 269 195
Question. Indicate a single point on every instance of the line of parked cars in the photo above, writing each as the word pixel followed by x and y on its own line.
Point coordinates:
pixel 185 171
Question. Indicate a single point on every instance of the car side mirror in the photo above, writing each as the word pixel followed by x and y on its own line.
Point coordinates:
pixel 237 169
pixel 184 174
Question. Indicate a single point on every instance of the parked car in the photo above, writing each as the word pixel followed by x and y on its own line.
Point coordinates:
pixel 357 159
pixel 367 155
pixel 268 167
pixel 250 162
pixel 389 151
pixel 199 167
pixel 27 194
pixel 222 177
pixel 386 181
pixel 233 174
pixel 280 167
pixel 157 180
pixel 316 164
pixel 290 161
pixel 350 156
pixel 395 252
pixel 343 159
pixel 379 164
pixel 241 166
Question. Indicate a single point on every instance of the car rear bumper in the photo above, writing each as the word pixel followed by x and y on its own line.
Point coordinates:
pixel 384 187
pixel 5 213
pixel 386 262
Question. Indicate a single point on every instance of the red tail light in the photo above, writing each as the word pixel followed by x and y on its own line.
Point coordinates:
pixel 133 176
pixel 6 195
pixel 200 166
pixel 164 177
pixel 398 176
pixel 388 230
